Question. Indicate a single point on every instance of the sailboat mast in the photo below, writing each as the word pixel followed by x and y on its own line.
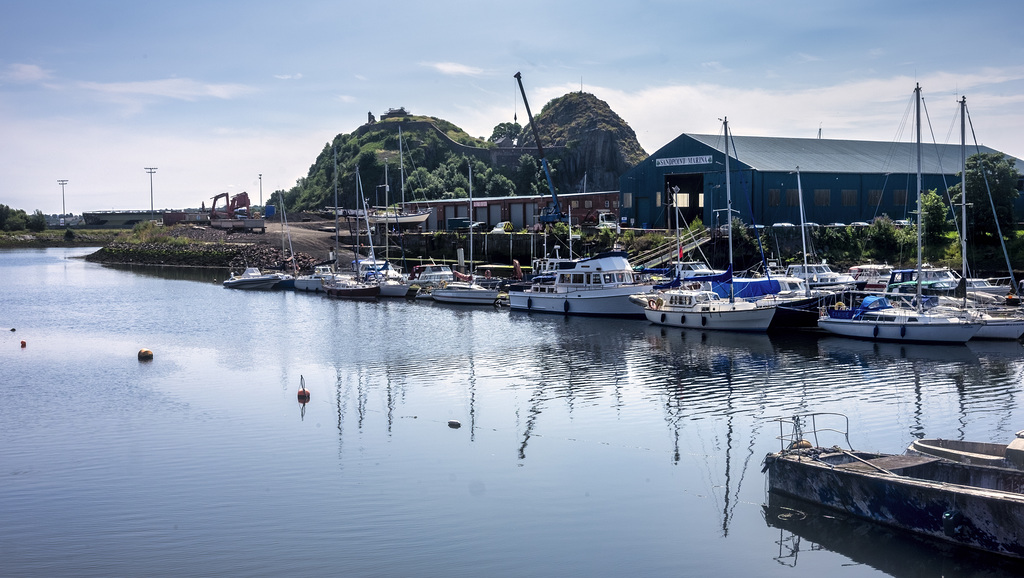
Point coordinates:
pixel 963 192
pixel 920 215
pixel 337 231
pixel 803 231
pixel 387 246
pixel 728 204
pixel 470 218
pixel 401 162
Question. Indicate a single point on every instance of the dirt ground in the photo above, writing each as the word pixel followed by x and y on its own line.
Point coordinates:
pixel 311 235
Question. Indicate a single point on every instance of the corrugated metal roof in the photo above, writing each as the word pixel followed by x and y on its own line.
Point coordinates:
pixel 839 156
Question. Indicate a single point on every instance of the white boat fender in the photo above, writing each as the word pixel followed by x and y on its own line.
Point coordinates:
pixel 454 424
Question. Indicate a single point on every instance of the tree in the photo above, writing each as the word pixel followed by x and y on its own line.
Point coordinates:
pixel 500 186
pixel 936 213
pixel 37 222
pixel 506 129
pixel 1000 176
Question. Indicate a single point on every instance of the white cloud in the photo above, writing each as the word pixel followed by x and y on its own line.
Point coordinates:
pixel 24 73
pixel 296 76
pixel 174 88
pixel 455 69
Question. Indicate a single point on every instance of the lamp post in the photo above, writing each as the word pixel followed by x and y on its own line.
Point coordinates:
pixel 151 170
pixel 261 191
pixel 63 211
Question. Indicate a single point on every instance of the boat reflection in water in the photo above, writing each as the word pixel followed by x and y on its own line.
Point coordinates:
pixel 807 529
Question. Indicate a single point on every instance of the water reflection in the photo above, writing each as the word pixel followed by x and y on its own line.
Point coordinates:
pixel 805 529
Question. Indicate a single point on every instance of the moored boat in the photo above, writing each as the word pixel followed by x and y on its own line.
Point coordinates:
pixel 254 279
pixel 465 293
pixel 876 319
pixel 979 453
pixel 596 286
pixel 976 506
pixel 698 309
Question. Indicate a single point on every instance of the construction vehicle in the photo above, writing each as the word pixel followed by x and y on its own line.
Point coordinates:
pixel 235 215
pixel 553 213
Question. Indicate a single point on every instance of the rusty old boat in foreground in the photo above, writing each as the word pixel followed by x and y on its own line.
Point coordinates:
pixel 975 506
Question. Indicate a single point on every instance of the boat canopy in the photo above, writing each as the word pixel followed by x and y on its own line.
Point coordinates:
pixel 874 303
pixel 748 288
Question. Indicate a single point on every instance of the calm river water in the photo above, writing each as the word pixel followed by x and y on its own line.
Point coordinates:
pixel 588 447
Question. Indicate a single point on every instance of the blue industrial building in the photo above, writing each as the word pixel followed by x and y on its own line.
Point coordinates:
pixel 842 181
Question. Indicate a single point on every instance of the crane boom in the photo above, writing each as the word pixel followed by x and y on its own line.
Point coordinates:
pixel 553 214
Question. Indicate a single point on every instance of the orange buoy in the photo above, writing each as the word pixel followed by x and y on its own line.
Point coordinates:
pixel 303 392
pixel 145 355
pixel 23 344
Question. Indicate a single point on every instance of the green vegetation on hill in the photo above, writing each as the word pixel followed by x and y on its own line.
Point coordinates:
pixel 581 134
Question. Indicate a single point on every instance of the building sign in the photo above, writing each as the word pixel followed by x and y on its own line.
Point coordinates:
pixel 682 161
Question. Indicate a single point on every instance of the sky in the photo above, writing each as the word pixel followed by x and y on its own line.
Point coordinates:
pixel 214 94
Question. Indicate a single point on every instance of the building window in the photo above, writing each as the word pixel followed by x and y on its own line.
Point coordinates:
pixel 874 197
pixel 700 200
pixel 682 200
pixel 899 197
pixel 792 197
pixel 822 197
pixel 575 204
pixel 657 199
pixel 627 200
pixel 607 203
pixel 849 197
pixel 774 197
pixel 588 204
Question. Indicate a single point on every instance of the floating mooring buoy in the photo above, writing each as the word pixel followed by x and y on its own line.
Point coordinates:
pixel 23 344
pixel 303 392
pixel 145 355
pixel 454 424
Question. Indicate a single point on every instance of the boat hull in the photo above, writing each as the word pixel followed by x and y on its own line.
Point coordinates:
pixel 252 284
pixel 952 332
pixel 361 292
pixel 975 506
pixel 465 296
pixel 606 302
pixel 724 319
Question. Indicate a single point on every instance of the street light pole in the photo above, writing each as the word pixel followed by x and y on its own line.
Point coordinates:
pixel 63 210
pixel 151 170
pixel 261 190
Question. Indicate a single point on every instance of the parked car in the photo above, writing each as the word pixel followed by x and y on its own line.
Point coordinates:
pixel 811 224
pixel 836 225
pixel 860 224
pixel 782 225
pixel 902 223
pixel 503 227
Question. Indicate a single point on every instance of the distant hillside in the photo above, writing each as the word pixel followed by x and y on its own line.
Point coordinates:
pixel 580 133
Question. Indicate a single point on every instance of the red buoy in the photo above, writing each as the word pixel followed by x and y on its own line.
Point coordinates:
pixel 303 392
pixel 23 344
pixel 145 355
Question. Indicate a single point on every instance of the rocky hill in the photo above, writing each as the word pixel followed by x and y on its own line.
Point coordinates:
pixel 597 142
pixel 582 138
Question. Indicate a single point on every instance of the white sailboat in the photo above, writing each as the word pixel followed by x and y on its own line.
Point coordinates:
pixel 398 215
pixel 877 319
pixel 466 292
pixel 700 309
pixel 1001 323
pixel 323 275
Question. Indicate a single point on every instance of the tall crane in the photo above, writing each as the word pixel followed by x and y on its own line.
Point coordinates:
pixel 553 214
